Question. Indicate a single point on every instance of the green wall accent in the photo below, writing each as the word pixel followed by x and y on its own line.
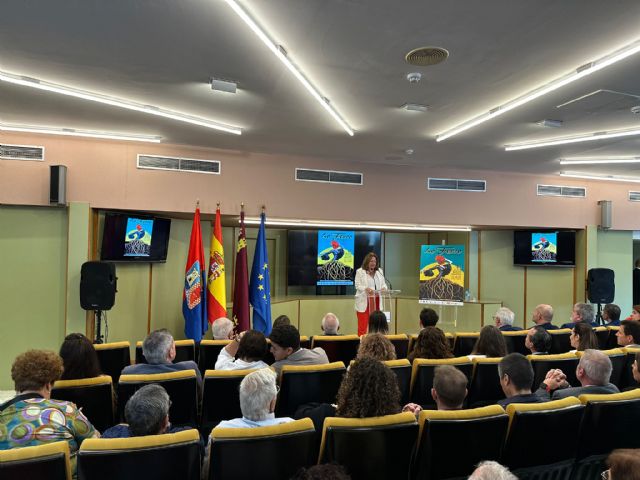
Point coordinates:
pixel 615 251
pixel 549 285
pixel 581 266
pixel 472 266
pixel 78 253
pixel 402 260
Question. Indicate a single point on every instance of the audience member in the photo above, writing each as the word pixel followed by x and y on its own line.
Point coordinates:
pixel 490 343
pixel 628 334
pixel 490 470
pixel 516 378
pixel 635 372
pixel 258 394
pixel 581 313
pixel 593 372
pixel 330 324
pixel 538 340
pixel 245 352
pixel 378 323
pixel 281 320
pixel 285 346
pixel 32 418
pixel 431 343
pixel 449 387
pixel 611 315
pixel 542 316
pixel 428 318
pixel 79 358
pixel 504 319
pixel 326 471
pixel 635 313
pixel 624 464
pixel 222 329
pixel 376 346
pixel 583 337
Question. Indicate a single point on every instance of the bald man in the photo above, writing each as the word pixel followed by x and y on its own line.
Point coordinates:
pixel 542 316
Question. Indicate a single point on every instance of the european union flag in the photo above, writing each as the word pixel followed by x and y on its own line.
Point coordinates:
pixel 259 289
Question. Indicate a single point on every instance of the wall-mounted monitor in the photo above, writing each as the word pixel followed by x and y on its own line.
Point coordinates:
pixel 544 248
pixel 131 237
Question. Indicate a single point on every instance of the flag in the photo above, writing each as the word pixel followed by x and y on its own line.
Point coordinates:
pixel 216 295
pixel 241 282
pixel 193 296
pixel 259 290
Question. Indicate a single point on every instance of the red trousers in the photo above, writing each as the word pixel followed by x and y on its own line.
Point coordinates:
pixel 363 318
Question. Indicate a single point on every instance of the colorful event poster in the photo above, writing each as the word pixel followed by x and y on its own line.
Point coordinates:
pixel 544 247
pixel 441 274
pixel 335 257
pixel 137 239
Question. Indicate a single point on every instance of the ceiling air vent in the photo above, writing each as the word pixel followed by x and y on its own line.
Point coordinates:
pixel 561 191
pixel 634 196
pixel 154 162
pixel 21 152
pixel 457 184
pixel 327 176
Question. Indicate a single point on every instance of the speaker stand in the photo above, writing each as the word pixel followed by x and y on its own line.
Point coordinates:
pixel 99 336
pixel 599 319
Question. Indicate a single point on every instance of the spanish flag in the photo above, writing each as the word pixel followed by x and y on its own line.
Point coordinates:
pixel 216 296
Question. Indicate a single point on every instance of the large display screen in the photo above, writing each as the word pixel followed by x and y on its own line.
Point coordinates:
pixel 544 248
pixel 135 238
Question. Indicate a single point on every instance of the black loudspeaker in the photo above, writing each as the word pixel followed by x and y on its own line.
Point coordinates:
pixel 601 285
pixel 98 284
pixel 57 185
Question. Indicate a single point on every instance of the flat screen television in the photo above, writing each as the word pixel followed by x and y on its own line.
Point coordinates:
pixel 544 248
pixel 132 237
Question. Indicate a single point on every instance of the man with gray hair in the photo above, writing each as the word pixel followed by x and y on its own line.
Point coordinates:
pixel 222 329
pixel 593 373
pixel 490 470
pixel 582 312
pixel 504 320
pixel 258 394
pixel 330 324
pixel 542 317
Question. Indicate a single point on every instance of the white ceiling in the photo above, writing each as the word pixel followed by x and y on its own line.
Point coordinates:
pixel 162 53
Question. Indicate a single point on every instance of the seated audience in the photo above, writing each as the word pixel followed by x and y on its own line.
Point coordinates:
pixel 581 313
pixel 326 471
pixel 32 418
pixel 378 323
pixel 628 334
pixel 542 317
pixel 490 470
pixel 245 352
pixel 538 341
pixel 635 313
pixel 516 378
pixel 504 319
pixel 635 372
pixel 376 346
pixel 79 358
pixel 281 320
pixel 611 315
pixel 258 394
pixel 593 372
pixel 624 464
pixel 431 343
pixel 330 324
pixel 491 343
pixel 428 318
pixel 222 329
pixel 285 346
pixel 449 387
pixel 583 337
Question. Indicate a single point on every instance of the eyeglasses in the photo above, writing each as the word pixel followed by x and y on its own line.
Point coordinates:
pixel 606 475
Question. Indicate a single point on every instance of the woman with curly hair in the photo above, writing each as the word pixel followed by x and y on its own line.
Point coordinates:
pixel 583 337
pixel 431 343
pixel 79 358
pixel 376 346
pixel 490 343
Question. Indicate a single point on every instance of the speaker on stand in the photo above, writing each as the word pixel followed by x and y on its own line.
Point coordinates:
pixel 98 287
pixel 601 288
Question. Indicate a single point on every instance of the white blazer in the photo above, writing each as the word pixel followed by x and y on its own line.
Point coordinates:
pixel 361 287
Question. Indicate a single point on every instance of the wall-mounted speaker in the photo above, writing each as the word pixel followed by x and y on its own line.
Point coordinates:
pixel 57 184
pixel 606 212
pixel 98 284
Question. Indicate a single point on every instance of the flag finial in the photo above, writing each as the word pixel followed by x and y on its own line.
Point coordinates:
pixel 218 204
pixel 197 203
pixel 263 208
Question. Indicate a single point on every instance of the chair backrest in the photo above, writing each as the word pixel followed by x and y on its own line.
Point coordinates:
pixel 50 461
pixel 401 344
pixel 567 362
pixel 113 357
pixel 221 397
pixel 185 350
pixel 612 342
pixel 305 342
pixel 168 456
pixel 208 352
pixel 464 343
pixel 451 443
pixel 560 342
pixel 627 379
pixel 531 424
pixel 485 386
pixel 339 348
pixel 602 334
pixel 422 377
pixel 267 453
pixel 93 395
pixel 515 341
pixel 618 360
pixel 181 386
pixel 370 448
pixel 300 384
pixel 402 369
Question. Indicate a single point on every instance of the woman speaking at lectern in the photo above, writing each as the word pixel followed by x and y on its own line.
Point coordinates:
pixel 369 278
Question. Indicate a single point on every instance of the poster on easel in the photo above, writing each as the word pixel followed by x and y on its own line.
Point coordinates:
pixel 441 274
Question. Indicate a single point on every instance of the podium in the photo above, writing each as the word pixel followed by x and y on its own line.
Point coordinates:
pixel 384 300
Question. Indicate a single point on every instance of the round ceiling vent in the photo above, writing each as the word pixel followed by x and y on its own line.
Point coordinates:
pixel 425 56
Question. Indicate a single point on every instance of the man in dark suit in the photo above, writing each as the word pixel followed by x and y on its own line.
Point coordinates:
pixel 629 334
pixel 504 319
pixel 542 317
pixel 611 315
pixel 516 377
pixel 582 312
pixel 538 341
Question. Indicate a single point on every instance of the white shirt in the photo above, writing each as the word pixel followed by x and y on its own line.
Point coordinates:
pixel 246 423
pixel 227 362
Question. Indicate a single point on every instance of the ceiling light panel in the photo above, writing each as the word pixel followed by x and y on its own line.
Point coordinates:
pixel 72 132
pixel 587 137
pixel 355 226
pixel 590 176
pixel 599 160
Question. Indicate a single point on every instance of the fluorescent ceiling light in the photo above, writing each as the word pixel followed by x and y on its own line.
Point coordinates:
pixel 587 137
pixel 599 160
pixel 359 226
pixel 116 102
pixel 282 56
pixel 559 82
pixel 80 133
pixel 590 176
